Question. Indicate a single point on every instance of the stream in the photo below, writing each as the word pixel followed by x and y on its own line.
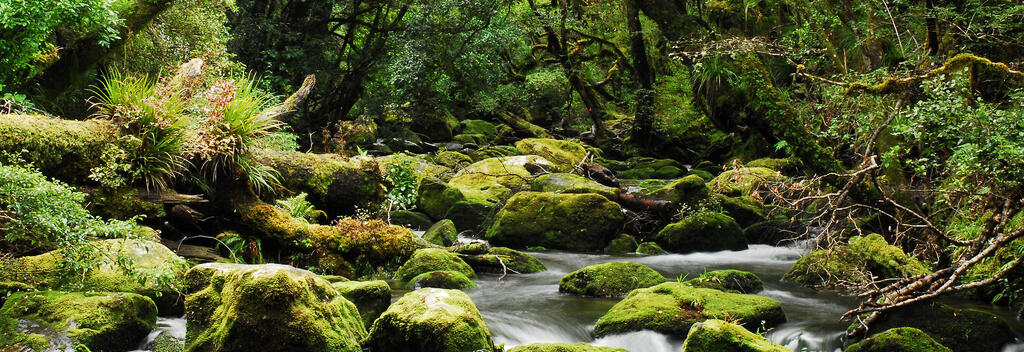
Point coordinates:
pixel 524 309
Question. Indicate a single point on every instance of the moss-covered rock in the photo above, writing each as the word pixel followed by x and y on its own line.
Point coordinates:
pixel 689 190
pixel 563 347
pixel 745 210
pixel 742 182
pixel 436 124
pixel 433 259
pixel 51 321
pixel 569 183
pixel 479 127
pixel 960 329
pixel 412 219
pixel 720 336
pixel 639 173
pixel 60 148
pixel 668 171
pixel 786 166
pixel 614 279
pixel 335 184
pixel 705 231
pixel 370 297
pixel 167 343
pixel 499 259
pixel 649 248
pixel 442 233
pixel 270 307
pixel 454 160
pixel 581 222
pixel 495 178
pixel 435 197
pixel 563 154
pixel 492 152
pixel 471 248
pixel 898 340
pixel 707 176
pixel 621 245
pixel 672 307
pixel 354 247
pixel 773 232
pixel 430 320
pixel 729 280
pixel 149 258
pixel 441 279
pixel 857 262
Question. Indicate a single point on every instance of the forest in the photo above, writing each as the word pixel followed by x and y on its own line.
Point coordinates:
pixel 512 175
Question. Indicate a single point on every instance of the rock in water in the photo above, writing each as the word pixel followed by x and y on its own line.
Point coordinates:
pixel 720 336
pixel 370 297
pixel 433 259
pixel 729 280
pixel 60 321
pixel 579 222
pixel 706 231
pixel 270 307
pixel 898 340
pixel 430 320
pixel 614 279
pixel 564 154
pixel 442 233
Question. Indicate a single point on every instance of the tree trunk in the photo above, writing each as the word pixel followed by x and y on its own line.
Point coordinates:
pixel 932 24
pixel 644 124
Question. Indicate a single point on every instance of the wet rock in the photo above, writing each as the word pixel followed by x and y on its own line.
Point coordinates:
pixel 430 320
pixel 745 210
pixel 729 280
pixel 580 222
pixel 501 260
pixel 370 297
pixel 689 190
pixel 563 154
pixel 270 307
pixel 702 232
pixel 61 321
pixel 621 245
pixel 649 248
pixel 454 160
pixel 442 233
pixel 412 219
pixel 898 340
pixel 718 336
pixel 563 347
pixel 742 182
pixel 441 279
pixel 857 262
pixel 432 259
pixel 614 279
pixel 672 307
pixel 569 183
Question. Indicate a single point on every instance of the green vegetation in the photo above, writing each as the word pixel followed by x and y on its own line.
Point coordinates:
pixel 614 279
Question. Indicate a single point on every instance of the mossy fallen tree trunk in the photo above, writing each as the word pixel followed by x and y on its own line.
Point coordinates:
pixel 335 184
pixel 64 149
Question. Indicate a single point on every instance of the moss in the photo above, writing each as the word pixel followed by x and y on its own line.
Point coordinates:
pixel 772 232
pixel 785 166
pixel 335 184
pixel 621 245
pixel 703 174
pixel 441 279
pixel 688 190
pixel 432 259
pixel 98 320
pixel 479 127
pixel 471 248
pixel 430 320
pixel 442 233
pixel 64 149
pixel 412 219
pixel 454 160
pixel 706 231
pixel 271 307
pixel 672 307
pixel 492 152
pixel 718 336
pixel 475 139
pixel 668 171
pixel 435 197
pixel 649 248
pixel 647 187
pixel 122 204
pixel 149 258
pixel 370 297
pixel 563 154
pixel 856 262
pixel 729 280
pixel 745 210
pixel 167 343
pixel 614 279
pixel 563 347
pixel 581 222
pixel 743 182
pixel 960 329
pixel 640 173
pixel 500 259
pixel 481 178
pixel 898 340
pixel 569 183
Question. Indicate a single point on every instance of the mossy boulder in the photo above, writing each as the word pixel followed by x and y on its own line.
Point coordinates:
pixel 430 320
pixel 442 233
pixel 149 258
pixel 353 247
pixel 639 173
pixel 668 171
pixel 745 210
pixel 563 347
pixel 786 166
pixel 960 329
pixel 479 127
pixel 569 183
pixel 499 259
pixel 165 342
pixel 436 124
pixel 492 152
pixel 859 261
pixel 441 279
pixel 614 279
pixel 64 149
pixel 335 184
pixel 649 248
pixel 432 259
pixel 61 321
pixel 485 178
pixel 715 335
pixel 705 231
pixel 563 154
pixel 370 297
pixel 898 340
pixel 743 181
pixel 436 198
pixel 773 232
pixel 579 222
pixel 270 307
pixel 412 219
pixel 621 245
pixel 689 190
pixel 453 160
pixel 729 280
pixel 672 307
pixel 707 176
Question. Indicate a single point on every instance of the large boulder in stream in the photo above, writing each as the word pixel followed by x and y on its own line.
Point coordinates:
pixel 672 307
pixel 441 279
pixel 743 181
pixel 63 321
pixel 577 222
pixel 720 336
pixel 563 347
pixel 728 280
pixel 370 297
pixel 430 320
pixel 899 340
pixel 433 259
pixel 960 329
pixel 702 232
pixel 569 183
pixel 614 279
pixel 689 190
pixel 859 261
pixel 442 233
pixel 270 307
pixel 147 257
pixel 502 260
pixel 564 154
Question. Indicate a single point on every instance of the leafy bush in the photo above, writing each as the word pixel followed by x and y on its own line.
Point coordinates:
pixel 299 207
pixel 404 180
